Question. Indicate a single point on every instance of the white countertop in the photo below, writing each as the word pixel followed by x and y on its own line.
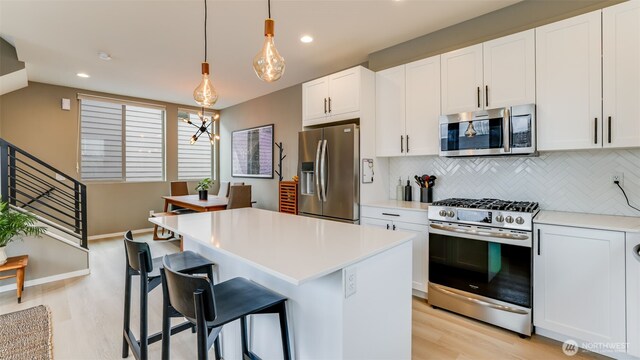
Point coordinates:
pixel 399 204
pixel 591 221
pixel 293 248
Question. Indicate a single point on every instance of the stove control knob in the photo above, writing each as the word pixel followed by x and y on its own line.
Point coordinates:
pixel 508 219
pixel 499 218
pixel 519 220
pixel 451 213
pixel 442 213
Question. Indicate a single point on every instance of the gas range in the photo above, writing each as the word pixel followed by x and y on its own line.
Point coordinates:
pixel 516 215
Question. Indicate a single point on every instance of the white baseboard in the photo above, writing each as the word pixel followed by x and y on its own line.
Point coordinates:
pixel 47 279
pixel 118 234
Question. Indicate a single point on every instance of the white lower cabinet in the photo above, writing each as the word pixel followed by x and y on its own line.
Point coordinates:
pixel 420 243
pixel 579 285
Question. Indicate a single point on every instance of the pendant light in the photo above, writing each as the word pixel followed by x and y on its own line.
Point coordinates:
pixel 268 64
pixel 203 128
pixel 205 95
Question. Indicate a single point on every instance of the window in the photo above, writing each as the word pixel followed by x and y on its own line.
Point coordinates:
pixel 121 141
pixel 195 161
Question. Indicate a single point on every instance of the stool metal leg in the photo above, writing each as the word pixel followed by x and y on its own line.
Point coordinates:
pixel 202 332
pixel 284 331
pixel 244 336
pixel 127 313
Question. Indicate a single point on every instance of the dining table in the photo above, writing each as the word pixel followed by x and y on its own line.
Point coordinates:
pixel 193 202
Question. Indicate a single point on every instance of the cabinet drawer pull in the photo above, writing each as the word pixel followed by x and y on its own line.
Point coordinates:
pixel 595 130
pixel 390 214
pixel 609 132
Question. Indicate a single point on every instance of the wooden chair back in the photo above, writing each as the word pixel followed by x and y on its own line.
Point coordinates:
pixel 179 188
pixel 239 197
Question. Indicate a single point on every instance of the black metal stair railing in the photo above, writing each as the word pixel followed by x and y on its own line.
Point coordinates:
pixel 31 184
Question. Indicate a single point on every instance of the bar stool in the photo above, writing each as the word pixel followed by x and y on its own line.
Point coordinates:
pixel 140 263
pixel 210 307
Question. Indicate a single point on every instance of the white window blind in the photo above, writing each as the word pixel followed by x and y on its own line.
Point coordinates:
pixel 144 144
pixel 120 141
pixel 101 140
pixel 194 160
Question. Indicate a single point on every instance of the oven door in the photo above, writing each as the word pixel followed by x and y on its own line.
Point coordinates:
pixel 493 263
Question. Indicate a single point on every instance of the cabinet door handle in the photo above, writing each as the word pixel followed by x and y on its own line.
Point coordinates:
pixel 609 132
pixel 325 105
pixel 387 226
pixel 329 104
pixel 595 130
pixel 486 95
pixel 401 144
pixel 394 227
pixel 407 144
pixel 538 241
pixel 478 96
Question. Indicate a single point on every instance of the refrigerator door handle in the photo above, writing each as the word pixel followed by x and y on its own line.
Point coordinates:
pixel 317 170
pixel 323 164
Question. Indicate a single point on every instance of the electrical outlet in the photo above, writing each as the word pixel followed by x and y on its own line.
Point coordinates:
pixel 350 281
pixel 617 176
pixel 151 212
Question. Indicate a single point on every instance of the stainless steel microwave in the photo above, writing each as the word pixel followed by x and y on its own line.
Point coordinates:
pixel 504 131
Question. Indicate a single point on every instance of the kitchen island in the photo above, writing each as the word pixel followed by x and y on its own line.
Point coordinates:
pixel 349 286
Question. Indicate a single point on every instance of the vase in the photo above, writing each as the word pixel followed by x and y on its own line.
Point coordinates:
pixel 203 194
pixel 3 255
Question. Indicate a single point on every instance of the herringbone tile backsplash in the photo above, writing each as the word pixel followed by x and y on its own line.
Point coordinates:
pixel 578 181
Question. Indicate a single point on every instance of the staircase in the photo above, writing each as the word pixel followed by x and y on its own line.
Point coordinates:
pixel 29 184
pixel 59 202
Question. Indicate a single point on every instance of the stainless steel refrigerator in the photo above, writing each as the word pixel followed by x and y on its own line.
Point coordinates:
pixel 328 165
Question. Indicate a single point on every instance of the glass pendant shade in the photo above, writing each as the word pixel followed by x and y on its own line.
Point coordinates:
pixel 268 64
pixel 205 95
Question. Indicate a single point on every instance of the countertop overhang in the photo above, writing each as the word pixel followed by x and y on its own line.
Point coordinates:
pixel 293 248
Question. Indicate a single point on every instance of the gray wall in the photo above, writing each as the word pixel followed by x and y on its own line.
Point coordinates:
pixel 282 108
pixel 522 16
pixel 47 257
pixel 8 58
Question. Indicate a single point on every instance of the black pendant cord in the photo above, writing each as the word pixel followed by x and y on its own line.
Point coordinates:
pixel 269 7
pixel 205 30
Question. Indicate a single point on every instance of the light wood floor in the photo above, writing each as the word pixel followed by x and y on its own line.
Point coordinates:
pixel 88 311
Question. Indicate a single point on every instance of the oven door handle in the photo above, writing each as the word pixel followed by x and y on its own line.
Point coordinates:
pixel 478 301
pixel 479 233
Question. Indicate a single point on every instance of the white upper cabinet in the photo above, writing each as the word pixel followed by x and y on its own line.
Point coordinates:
pixel 408 109
pixel 314 99
pixel 497 73
pixel 568 83
pixel 462 80
pixel 423 106
pixel 390 111
pixel 510 70
pixel 332 98
pixel 621 74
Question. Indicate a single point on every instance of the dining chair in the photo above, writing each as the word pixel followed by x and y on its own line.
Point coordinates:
pixel 224 189
pixel 239 197
pixel 179 188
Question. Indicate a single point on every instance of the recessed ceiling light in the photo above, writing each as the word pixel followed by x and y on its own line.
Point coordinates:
pixel 104 56
pixel 82 75
pixel 306 39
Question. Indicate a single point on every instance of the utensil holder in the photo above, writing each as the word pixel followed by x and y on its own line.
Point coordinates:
pixel 426 195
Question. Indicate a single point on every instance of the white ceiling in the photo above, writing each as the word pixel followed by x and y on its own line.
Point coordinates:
pixel 157 45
